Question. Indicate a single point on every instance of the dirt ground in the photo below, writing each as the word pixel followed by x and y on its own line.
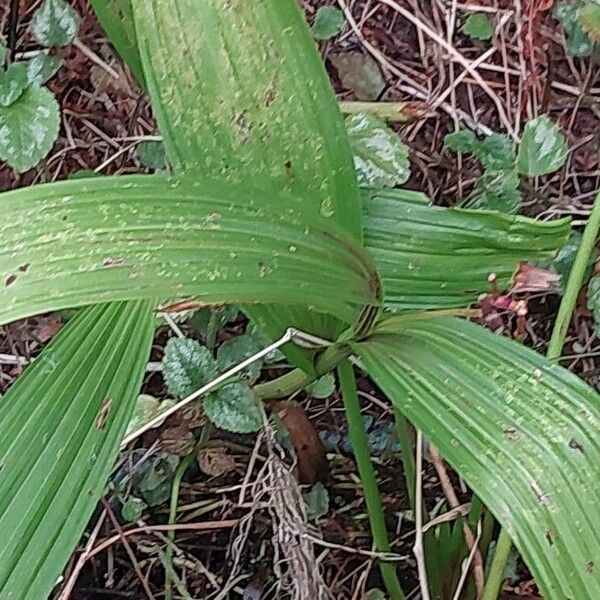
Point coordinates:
pixel 526 72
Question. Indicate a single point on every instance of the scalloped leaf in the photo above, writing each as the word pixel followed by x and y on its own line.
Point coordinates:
pixel 28 128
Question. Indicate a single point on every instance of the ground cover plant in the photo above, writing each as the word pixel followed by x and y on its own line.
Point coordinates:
pixel 258 205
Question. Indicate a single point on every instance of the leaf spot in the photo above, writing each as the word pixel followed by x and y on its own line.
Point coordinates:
pixel 10 280
pixel 590 566
pixel 549 537
pixel 113 262
pixel 24 267
pixel 575 445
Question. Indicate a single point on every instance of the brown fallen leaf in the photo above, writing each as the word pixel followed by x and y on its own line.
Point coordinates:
pixel 215 461
pixel 528 278
pixel 312 465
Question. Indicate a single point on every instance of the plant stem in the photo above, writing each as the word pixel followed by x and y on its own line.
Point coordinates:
pixel 297 379
pixel 213 329
pixel 565 311
pixel 555 346
pixel 406 438
pixel 181 470
pixel 360 444
pixel 496 575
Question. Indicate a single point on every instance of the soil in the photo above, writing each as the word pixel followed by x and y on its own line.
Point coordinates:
pixel 529 73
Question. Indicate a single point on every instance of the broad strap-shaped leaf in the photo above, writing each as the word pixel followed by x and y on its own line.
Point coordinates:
pixel 522 432
pixel 116 17
pixel 62 423
pixel 431 257
pixel 124 238
pixel 240 93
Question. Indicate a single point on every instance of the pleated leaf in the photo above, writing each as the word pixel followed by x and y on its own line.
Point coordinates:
pixel 431 257
pixel 62 423
pixel 124 238
pixel 522 432
pixel 240 93
pixel 116 18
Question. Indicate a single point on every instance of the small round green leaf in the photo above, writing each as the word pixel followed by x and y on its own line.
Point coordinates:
pixel 479 26
pixel 235 351
pixel 380 156
pixel 13 82
pixel 132 509
pixel 496 152
pixel 41 68
pixel 329 21
pixel 152 154
pixel 577 41
pixel 28 128
pixel 233 408
pixel 589 19
pixel 543 148
pixel 461 141
pixel 322 387
pixel 187 366
pixel 55 23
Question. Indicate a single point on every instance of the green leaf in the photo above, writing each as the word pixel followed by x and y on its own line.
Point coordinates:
pixel 13 83
pixel 152 155
pixel 122 238
pixel 323 387
pixel 543 148
pixel 578 43
pixel 380 156
pixel 563 262
pixel 222 314
pixel 3 53
pixel 249 100
pixel 479 26
pixel 329 21
pixel 146 408
pixel 520 430
pixel 462 141
pixel 187 366
pixel 593 299
pixel 41 68
pixel 152 480
pixel 116 18
pixel 54 23
pixel 497 190
pixel 229 111
pixel 433 258
pixel 28 128
pixel 234 351
pixel 589 19
pixel 233 408
pixel 496 152
pixel 317 501
pixel 132 509
pixel 62 422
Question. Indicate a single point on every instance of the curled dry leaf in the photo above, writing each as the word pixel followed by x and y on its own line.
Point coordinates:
pixel 311 458
pixel 528 278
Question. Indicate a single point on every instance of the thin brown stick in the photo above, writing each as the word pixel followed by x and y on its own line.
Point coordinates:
pixel 206 526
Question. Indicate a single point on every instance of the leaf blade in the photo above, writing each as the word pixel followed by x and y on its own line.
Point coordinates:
pixel 56 447
pixel 515 426
pixel 123 238
pixel 431 258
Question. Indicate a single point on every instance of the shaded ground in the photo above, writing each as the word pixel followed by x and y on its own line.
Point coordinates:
pixel 526 73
